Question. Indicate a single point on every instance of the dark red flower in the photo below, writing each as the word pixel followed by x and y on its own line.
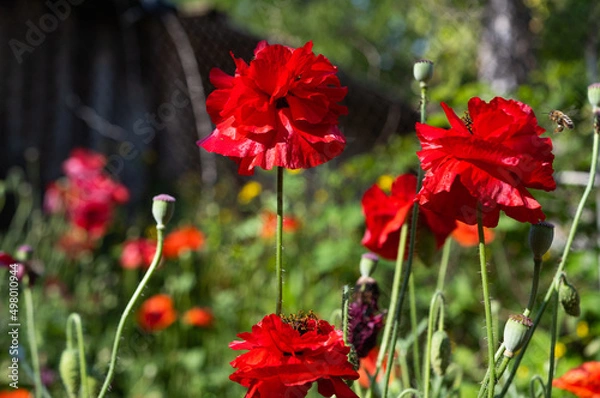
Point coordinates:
pixel 286 356
pixel 490 157
pixel 366 321
pixel 583 381
pixel 385 215
pixel 281 109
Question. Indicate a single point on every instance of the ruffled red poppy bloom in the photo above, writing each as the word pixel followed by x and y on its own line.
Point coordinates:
pixel 137 253
pixel 157 313
pixel 199 317
pixel 385 215
pixel 281 109
pixel 489 158
pixel 269 224
pixel 583 381
pixel 287 356
pixel 467 235
pixel 182 239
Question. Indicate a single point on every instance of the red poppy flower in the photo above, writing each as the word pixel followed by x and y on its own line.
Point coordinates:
pixel 269 224
pixel 467 235
pixel 182 239
pixel 490 158
pixel 583 381
pixel 286 357
pixel 19 393
pixel 281 109
pixel 137 253
pixel 157 313
pixel 368 366
pixel 385 215
pixel 199 317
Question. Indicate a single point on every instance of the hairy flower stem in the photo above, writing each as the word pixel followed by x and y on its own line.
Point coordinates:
pixel 537 265
pixel 414 326
pixel 436 305
pixel 556 280
pixel 553 338
pixel 74 323
pixel 35 360
pixel 129 307
pixel 279 244
pixel 487 306
pixel 444 265
pixel 499 370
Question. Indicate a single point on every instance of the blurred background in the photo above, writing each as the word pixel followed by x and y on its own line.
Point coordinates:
pixel 128 79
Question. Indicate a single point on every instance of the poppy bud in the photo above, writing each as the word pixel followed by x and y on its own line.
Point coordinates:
pixel 423 70
pixel 568 297
pixel 594 94
pixel 540 238
pixel 163 206
pixel 440 352
pixel 69 371
pixel 515 332
pixel 368 263
pixel 24 253
pixel 365 319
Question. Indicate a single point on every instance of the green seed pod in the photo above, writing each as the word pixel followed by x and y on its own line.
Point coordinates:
pixel 69 371
pixel 368 263
pixel 163 206
pixel 423 70
pixel 594 94
pixel 441 351
pixel 540 238
pixel 515 333
pixel 568 297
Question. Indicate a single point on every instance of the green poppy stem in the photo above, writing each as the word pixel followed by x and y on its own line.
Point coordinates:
pixel 555 281
pixel 279 244
pixel 437 301
pixel 35 360
pixel 487 305
pixel 129 307
pixel 553 338
pixel 74 323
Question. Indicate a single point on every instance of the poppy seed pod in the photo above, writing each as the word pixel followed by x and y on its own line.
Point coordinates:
pixel 368 263
pixel 540 238
pixel 515 332
pixel 569 298
pixel 163 206
pixel 423 70
pixel 440 352
pixel 594 94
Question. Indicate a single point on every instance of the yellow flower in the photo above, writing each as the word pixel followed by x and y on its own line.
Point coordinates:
pixel 583 329
pixel 249 191
pixel 560 350
pixel 294 171
pixel 385 182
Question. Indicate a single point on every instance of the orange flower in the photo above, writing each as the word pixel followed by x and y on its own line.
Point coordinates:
pixel 19 393
pixel 583 381
pixel 269 224
pixel 368 365
pixel 157 313
pixel 181 240
pixel 200 317
pixel 466 235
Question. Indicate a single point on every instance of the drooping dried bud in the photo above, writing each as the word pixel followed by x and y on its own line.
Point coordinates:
pixel 515 333
pixel 540 238
pixel 163 206
pixel 423 70
pixel 568 297
pixel 441 352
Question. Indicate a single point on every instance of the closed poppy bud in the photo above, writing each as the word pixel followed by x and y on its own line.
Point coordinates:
pixel 440 352
pixel 163 206
pixel 515 332
pixel 568 297
pixel 594 94
pixel 423 70
pixel 540 238
pixel 69 371
pixel 368 263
